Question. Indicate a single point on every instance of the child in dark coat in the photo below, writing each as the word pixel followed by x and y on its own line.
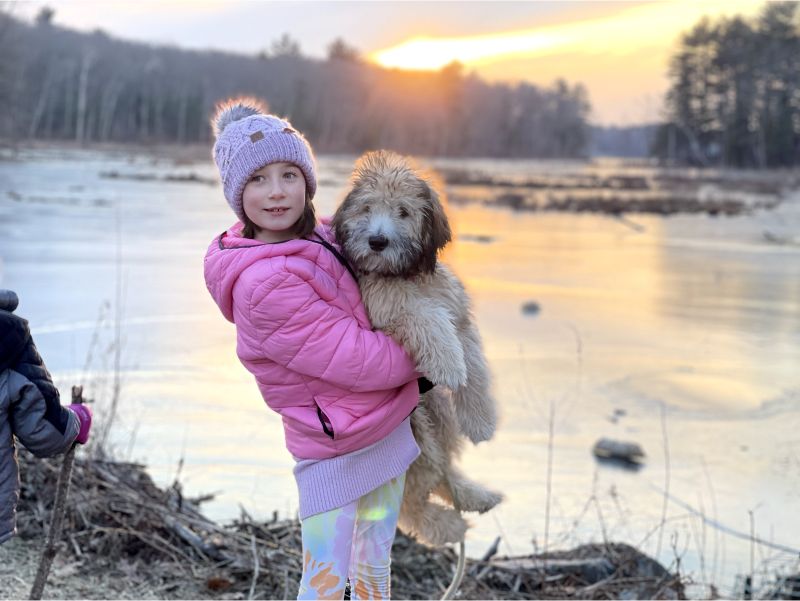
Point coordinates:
pixel 30 409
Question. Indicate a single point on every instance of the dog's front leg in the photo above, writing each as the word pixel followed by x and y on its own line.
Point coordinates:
pixel 429 335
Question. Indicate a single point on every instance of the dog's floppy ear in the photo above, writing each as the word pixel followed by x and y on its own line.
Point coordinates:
pixel 337 223
pixel 435 227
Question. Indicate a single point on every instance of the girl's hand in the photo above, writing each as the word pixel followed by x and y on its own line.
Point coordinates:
pixel 85 418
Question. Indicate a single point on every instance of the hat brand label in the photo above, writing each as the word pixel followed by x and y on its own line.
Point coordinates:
pixel 255 137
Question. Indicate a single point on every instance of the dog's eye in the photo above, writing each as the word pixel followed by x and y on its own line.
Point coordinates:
pixel 366 208
pixel 403 212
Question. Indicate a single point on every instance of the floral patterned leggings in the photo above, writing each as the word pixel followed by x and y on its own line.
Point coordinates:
pixel 353 541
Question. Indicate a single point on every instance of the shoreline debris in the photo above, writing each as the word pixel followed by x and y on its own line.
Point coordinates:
pixel 117 516
pixel 187 178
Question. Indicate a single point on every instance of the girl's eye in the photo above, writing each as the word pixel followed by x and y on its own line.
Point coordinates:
pixel 403 212
pixel 257 178
pixel 290 175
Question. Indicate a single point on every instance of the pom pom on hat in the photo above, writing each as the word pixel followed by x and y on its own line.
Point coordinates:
pixel 236 109
pixel 248 139
pixel 8 300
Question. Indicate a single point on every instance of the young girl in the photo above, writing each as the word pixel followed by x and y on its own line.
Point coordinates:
pixel 344 392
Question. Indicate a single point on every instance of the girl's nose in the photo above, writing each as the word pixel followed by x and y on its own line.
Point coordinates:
pixel 275 189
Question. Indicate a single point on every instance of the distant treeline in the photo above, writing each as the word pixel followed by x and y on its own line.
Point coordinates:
pixel 734 98
pixel 60 84
pixel 628 142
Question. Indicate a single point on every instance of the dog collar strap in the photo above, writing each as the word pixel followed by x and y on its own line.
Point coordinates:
pixel 336 254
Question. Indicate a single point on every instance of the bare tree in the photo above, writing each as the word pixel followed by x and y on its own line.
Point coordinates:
pixel 340 50
pixel 83 83
pixel 44 18
pixel 285 46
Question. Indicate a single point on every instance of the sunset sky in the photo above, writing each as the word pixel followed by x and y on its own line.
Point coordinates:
pixel 619 50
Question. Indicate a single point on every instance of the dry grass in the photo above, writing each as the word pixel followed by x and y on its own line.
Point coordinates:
pixel 126 538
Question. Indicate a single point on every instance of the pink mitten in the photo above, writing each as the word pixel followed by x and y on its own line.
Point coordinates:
pixel 85 417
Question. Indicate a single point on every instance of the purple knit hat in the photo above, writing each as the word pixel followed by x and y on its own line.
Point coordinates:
pixel 249 139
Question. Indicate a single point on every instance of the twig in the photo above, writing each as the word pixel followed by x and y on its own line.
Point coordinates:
pixel 752 545
pixel 118 311
pixel 665 440
pixel 256 564
pixel 583 593
pixel 59 509
pixel 596 502
pixel 716 518
pixel 728 529
pixel 702 542
pixel 194 540
pixel 490 552
pixel 549 479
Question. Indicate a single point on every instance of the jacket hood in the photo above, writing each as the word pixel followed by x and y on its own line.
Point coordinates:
pixel 14 335
pixel 229 255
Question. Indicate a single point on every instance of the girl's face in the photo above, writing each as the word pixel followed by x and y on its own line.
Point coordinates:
pixel 274 199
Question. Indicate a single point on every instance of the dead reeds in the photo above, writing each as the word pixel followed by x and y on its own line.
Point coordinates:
pixel 116 516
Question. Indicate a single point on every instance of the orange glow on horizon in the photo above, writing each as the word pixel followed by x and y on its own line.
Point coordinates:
pixel 432 54
pixel 624 33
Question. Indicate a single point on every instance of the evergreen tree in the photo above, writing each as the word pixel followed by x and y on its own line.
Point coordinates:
pixel 734 97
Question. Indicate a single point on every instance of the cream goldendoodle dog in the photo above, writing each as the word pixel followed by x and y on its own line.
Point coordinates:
pixel 391 226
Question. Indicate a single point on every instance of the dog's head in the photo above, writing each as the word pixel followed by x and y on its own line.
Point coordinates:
pixel 393 220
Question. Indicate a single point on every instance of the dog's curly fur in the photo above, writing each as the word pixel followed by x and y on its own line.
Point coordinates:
pixel 391 227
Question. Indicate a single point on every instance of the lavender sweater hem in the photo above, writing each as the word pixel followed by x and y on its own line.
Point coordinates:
pixel 325 484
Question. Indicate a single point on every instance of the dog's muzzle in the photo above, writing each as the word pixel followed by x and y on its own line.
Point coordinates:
pixel 378 243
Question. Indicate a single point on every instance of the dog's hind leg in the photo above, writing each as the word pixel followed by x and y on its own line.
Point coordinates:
pixel 475 407
pixel 465 494
pixel 431 523
pixel 441 424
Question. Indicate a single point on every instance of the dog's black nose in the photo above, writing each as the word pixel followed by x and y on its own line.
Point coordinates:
pixel 378 243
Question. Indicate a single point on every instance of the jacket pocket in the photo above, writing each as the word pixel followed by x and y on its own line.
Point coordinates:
pixel 326 424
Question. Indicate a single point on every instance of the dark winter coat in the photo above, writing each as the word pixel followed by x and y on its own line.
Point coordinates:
pixel 30 409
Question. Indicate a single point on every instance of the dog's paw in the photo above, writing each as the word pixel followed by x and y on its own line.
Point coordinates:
pixel 478 426
pixel 478 432
pixel 450 372
pixel 469 495
pixel 489 501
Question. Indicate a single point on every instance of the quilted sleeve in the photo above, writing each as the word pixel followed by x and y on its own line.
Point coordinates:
pixel 298 329
pixel 32 419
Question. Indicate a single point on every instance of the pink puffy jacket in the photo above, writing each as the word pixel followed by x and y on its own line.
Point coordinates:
pixel 303 332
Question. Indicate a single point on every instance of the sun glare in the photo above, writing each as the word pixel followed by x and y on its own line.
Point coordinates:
pixel 628 31
pixel 428 53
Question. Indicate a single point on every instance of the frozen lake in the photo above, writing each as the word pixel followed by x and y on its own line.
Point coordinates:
pixel 682 334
